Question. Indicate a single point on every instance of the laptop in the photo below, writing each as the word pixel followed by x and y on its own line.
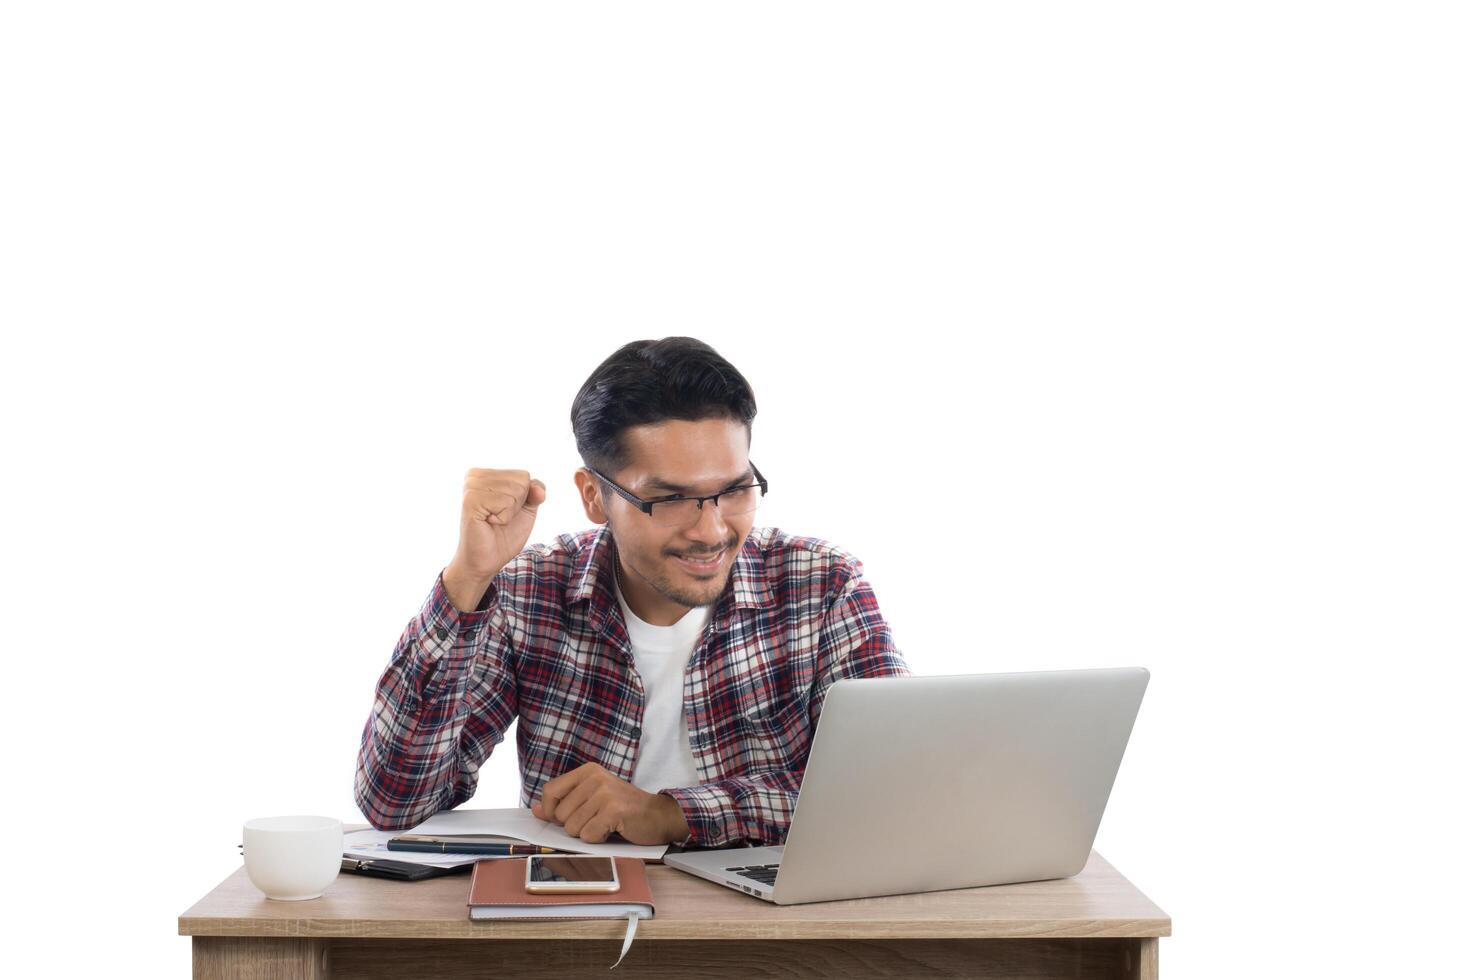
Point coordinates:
pixel 917 784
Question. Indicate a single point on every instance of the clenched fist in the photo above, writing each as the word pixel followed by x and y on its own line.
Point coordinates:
pixel 495 522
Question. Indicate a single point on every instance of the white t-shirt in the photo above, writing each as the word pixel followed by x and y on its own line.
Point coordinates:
pixel 661 653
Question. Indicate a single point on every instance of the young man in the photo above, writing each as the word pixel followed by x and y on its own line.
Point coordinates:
pixel 668 668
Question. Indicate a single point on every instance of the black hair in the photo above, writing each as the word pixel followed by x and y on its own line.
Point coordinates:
pixel 650 381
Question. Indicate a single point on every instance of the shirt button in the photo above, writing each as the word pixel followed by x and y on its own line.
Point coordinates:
pixel 635 732
pixel 441 633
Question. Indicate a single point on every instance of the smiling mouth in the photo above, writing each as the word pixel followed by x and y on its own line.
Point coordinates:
pixel 702 563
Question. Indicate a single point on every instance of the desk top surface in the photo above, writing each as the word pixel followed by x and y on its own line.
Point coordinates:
pixel 1096 903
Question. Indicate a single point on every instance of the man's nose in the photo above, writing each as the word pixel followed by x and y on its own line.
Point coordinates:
pixel 710 528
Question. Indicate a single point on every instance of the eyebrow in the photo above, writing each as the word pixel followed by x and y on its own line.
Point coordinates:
pixel 656 484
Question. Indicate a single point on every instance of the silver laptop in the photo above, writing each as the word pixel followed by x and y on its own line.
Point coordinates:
pixel 917 784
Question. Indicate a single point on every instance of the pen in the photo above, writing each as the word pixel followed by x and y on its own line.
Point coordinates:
pixel 438 847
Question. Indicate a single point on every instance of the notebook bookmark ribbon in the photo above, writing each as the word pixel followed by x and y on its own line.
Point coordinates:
pixel 632 929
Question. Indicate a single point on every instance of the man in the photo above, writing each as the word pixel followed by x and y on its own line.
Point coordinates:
pixel 668 668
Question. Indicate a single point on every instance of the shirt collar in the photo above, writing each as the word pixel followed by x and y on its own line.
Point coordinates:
pixel 591 578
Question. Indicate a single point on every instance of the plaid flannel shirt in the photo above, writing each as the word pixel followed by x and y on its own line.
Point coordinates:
pixel 547 644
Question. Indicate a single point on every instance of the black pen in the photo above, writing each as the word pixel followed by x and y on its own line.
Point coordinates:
pixel 439 847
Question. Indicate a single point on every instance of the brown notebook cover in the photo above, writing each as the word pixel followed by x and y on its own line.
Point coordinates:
pixel 502 883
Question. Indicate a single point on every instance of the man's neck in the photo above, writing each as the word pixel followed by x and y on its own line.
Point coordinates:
pixel 655 609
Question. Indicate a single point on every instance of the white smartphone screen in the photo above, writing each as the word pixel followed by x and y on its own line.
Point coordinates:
pixel 555 871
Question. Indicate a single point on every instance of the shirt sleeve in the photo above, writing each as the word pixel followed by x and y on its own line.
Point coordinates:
pixel 441 706
pixel 855 641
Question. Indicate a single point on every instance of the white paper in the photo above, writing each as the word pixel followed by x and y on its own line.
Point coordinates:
pixel 520 822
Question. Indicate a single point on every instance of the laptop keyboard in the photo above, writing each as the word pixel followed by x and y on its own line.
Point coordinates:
pixel 763 873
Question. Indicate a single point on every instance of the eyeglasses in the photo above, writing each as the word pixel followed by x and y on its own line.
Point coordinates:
pixel 679 511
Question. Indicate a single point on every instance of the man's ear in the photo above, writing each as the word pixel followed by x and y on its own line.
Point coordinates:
pixel 589 489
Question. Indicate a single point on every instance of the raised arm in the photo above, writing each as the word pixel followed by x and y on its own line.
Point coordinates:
pixel 448 694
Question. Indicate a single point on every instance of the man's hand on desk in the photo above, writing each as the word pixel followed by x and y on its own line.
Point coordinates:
pixel 591 803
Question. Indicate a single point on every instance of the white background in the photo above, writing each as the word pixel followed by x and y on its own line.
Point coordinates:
pixel 1104 334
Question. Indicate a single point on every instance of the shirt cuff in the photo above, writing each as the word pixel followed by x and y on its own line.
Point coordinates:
pixel 440 611
pixel 711 813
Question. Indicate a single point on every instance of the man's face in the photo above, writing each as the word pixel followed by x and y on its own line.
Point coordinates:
pixel 675 457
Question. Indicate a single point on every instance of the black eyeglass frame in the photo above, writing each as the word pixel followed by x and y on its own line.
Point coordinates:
pixel 646 506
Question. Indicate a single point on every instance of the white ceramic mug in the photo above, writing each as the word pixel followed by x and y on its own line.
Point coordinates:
pixel 293 858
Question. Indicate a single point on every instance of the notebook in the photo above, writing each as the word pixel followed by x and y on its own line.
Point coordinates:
pixel 497 891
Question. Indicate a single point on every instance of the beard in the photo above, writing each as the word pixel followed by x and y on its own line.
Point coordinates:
pixel 686 595
pixel 670 582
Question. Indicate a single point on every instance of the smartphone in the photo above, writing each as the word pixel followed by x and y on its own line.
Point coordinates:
pixel 562 874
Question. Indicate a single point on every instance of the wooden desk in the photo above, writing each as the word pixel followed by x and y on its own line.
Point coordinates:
pixel 1095 924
